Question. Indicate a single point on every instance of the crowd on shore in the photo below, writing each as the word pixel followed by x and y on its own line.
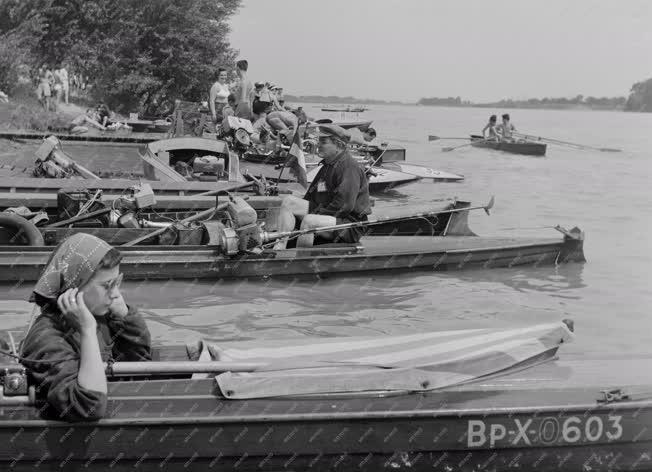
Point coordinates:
pixel 260 102
pixel 54 84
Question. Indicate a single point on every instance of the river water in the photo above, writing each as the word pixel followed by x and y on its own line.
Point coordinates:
pixel 605 194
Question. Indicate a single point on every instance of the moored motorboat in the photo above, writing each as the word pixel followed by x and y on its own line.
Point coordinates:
pixel 538 414
pixel 527 148
pixel 199 253
pixel 380 179
pixel 392 157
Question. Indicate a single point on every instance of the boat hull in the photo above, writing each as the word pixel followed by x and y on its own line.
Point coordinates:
pixel 380 254
pixel 544 418
pixel 525 148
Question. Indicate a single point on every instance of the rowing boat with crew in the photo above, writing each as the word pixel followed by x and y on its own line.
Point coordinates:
pixel 469 400
pixel 524 147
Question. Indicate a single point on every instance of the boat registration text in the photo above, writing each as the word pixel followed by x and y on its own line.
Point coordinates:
pixel 515 432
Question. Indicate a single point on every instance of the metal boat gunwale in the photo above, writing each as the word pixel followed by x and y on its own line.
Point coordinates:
pixel 212 250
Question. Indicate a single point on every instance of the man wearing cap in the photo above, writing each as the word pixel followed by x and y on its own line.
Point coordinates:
pixel 275 98
pixel 338 194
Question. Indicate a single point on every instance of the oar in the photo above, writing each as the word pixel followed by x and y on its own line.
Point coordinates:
pixel 207 367
pixel 447 149
pixel 566 143
pixel 180 367
pixel 267 237
pixel 435 138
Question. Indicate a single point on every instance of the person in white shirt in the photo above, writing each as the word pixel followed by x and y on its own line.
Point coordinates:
pixel 218 95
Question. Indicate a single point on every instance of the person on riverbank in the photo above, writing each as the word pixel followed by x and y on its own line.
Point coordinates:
pixel 229 108
pixel 301 115
pixel 91 118
pixel 505 129
pixel 103 114
pixel 245 93
pixel 84 322
pixel 43 90
pixel 489 130
pixel 283 122
pixel 362 138
pixel 338 194
pixel 62 84
pixel 218 95
pixel 262 129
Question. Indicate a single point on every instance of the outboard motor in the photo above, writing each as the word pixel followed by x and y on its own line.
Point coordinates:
pixel 244 220
pixel 238 131
pixel 52 162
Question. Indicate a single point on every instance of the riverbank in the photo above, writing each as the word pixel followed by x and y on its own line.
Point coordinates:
pixel 28 115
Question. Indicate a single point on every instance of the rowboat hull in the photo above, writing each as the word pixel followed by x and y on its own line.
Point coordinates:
pixel 373 254
pixel 526 148
pixel 547 417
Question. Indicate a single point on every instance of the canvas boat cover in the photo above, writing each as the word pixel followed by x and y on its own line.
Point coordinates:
pixel 414 362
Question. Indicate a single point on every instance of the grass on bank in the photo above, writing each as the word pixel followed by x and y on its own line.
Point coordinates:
pixel 24 112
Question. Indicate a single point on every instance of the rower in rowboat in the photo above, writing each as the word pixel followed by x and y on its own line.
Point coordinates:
pixel 505 129
pixel 489 131
pixel 84 322
pixel 338 194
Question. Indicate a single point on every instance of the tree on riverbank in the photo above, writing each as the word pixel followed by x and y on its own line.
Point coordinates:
pixel 21 26
pixel 133 51
pixel 640 97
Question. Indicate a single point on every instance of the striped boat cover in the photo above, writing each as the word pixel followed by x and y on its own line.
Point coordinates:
pixel 415 362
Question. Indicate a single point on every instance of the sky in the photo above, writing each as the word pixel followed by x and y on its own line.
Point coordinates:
pixel 478 50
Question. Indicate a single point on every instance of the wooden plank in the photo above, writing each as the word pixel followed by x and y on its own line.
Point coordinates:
pixel 37 201
pixel 163 168
pixel 37 184
pixel 93 136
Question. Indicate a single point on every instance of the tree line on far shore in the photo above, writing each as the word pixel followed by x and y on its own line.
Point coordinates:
pixel 640 99
pixel 133 52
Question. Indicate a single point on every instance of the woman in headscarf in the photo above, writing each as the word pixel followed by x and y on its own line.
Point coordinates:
pixel 84 322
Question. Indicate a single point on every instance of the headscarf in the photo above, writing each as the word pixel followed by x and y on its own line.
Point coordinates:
pixel 71 265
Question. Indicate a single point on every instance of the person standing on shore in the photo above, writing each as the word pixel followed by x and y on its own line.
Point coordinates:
pixel 61 78
pixel 43 91
pixel 218 95
pixel 246 92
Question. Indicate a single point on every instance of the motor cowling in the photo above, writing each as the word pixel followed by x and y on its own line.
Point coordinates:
pixel 240 212
pixel 217 234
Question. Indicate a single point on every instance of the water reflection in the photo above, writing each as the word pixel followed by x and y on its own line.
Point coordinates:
pixel 547 279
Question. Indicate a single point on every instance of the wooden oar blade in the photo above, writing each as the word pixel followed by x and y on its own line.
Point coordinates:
pixel 433 138
pixel 489 205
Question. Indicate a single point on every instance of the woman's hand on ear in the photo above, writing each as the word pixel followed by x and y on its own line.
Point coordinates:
pixel 72 305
